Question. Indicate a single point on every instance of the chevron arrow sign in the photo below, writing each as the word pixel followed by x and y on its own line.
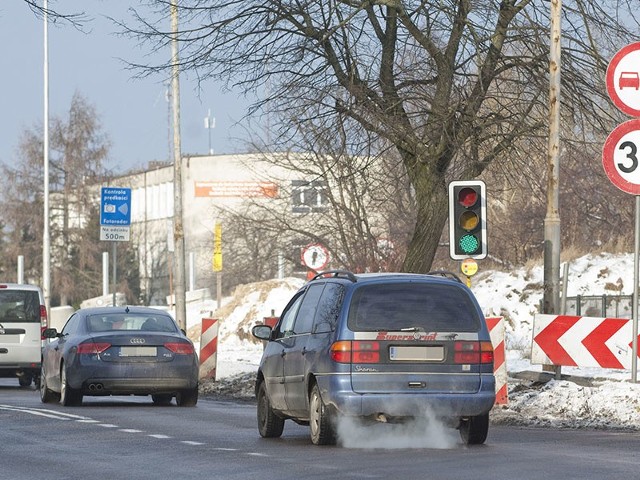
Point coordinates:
pixel 575 341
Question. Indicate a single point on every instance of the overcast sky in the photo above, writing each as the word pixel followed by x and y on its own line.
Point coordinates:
pixel 134 112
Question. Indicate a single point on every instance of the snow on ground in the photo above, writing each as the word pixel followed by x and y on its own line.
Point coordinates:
pixel 584 397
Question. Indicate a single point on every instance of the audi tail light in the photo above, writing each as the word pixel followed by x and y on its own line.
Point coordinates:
pixel 92 348
pixel 180 348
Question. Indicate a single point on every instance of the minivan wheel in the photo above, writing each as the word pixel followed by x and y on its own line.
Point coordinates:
pixel 69 397
pixel 270 425
pixel 474 430
pixel 46 395
pixel 320 422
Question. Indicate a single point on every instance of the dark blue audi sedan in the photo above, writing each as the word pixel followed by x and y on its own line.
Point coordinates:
pixel 380 347
pixel 119 351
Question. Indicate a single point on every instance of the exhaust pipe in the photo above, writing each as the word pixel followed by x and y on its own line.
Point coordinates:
pixel 382 418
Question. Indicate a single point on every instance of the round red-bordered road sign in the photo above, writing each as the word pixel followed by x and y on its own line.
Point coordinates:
pixel 621 156
pixel 315 256
pixel 623 79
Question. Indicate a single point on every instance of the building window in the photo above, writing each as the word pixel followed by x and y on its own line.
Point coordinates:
pixel 309 196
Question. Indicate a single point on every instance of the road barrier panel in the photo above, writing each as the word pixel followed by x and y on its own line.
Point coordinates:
pixel 209 348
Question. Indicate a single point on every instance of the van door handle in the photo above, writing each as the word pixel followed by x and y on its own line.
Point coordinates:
pixel 304 350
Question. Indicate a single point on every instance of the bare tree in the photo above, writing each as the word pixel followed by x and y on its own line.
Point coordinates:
pixel 451 85
pixel 78 150
pixel 358 206
pixel 54 14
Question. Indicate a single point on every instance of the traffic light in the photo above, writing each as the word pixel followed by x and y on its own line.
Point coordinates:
pixel 467 219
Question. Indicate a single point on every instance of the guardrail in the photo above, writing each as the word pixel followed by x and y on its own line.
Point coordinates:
pixel 612 306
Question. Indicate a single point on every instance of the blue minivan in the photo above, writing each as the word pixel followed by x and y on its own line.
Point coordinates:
pixel 383 347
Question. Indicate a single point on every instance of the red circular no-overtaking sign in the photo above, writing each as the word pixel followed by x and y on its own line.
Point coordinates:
pixel 621 156
pixel 623 79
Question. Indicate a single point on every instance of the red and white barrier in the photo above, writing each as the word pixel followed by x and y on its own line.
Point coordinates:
pixel 209 348
pixel 496 330
pixel 575 341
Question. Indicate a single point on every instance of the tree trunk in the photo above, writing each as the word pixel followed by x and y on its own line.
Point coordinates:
pixel 431 216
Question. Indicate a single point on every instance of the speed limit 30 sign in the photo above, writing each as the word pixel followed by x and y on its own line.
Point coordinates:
pixel 621 157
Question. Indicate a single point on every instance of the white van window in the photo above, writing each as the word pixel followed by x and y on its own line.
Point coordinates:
pixel 19 306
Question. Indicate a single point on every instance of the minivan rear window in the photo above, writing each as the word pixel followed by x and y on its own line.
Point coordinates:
pixel 19 306
pixel 423 306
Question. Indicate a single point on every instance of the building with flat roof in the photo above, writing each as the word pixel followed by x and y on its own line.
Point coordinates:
pixel 213 186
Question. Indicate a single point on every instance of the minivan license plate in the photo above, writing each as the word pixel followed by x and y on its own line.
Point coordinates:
pixel 417 353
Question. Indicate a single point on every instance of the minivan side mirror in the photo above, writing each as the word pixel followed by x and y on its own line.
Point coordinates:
pixel 50 333
pixel 261 332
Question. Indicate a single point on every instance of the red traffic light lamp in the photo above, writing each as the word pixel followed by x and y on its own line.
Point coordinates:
pixel 467 219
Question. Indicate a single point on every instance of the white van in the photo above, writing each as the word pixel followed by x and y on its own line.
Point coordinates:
pixel 23 318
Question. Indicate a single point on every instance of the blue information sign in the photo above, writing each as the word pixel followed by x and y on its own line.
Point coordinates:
pixel 115 206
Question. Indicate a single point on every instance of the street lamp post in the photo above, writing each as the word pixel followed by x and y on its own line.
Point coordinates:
pixel 178 229
pixel 551 298
pixel 46 242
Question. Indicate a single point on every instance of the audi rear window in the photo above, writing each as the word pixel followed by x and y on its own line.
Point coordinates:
pixel 19 306
pixel 419 306
pixel 128 322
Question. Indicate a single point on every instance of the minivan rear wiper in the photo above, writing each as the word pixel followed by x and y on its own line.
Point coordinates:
pixel 412 329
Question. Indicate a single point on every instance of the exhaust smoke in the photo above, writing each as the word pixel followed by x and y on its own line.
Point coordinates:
pixel 425 431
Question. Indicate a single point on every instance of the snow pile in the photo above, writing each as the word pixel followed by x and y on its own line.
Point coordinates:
pixel 562 403
pixel 584 397
pixel 238 351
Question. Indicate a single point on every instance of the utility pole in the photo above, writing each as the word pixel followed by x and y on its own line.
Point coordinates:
pixel 178 230
pixel 551 298
pixel 46 241
pixel 209 124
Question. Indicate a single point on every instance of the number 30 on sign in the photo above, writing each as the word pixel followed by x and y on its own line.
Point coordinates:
pixel 621 157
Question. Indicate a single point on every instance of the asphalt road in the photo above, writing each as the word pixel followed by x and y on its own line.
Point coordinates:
pixel 129 438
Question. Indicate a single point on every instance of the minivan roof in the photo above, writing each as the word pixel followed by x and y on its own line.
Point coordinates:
pixel 383 276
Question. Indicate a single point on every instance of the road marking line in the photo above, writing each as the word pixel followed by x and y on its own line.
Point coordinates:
pixel 64 414
pixel 39 412
pixel 222 449
pixel 32 412
pixel 43 412
pixel 107 425
pixel 257 454
pixel 158 435
pixel 189 442
pixel 88 420
pixel 130 430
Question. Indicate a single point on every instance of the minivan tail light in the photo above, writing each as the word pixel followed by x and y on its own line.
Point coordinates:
pixel 92 348
pixel 358 351
pixel 341 352
pixel 473 352
pixel 180 348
